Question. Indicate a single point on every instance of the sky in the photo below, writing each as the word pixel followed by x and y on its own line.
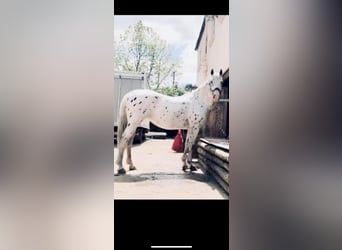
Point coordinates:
pixel 180 32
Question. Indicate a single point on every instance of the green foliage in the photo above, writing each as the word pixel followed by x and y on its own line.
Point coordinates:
pixel 140 49
pixel 170 91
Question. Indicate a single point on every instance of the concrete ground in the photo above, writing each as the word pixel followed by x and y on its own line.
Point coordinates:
pixel 159 175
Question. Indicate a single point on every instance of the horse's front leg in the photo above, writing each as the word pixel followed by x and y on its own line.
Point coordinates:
pixel 190 140
pixel 186 151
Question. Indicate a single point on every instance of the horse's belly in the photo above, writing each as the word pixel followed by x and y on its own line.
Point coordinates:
pixel 171 123
pixel 170 115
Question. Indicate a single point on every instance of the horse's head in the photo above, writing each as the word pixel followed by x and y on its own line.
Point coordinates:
pixel 215 84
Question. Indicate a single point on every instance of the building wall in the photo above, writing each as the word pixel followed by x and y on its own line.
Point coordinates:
pixel 213 48
pixel 213 53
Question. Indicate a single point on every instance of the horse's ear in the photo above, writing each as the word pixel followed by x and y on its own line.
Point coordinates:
pixel 220 72
pixel 212 72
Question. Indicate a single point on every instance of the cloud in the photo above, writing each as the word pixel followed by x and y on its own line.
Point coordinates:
pixel 181 32
pixel 189 57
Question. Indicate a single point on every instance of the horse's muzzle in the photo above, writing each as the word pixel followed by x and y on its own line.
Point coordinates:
pixel 216 94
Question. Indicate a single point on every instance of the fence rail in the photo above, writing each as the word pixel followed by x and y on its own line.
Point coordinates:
pixel 213 159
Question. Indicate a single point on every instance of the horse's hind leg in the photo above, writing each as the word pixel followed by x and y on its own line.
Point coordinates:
pixel 121 149
pixel 123 143
pixel 129 155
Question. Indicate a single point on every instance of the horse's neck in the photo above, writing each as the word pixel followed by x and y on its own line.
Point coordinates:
pixel 204 95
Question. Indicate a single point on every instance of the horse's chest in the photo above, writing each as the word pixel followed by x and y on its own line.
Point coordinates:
pixel 198 113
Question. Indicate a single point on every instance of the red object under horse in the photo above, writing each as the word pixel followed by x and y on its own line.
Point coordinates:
pixel 177 144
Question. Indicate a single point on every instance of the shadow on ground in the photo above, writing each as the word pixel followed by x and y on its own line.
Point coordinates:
pixel 155 176
pixel 161 176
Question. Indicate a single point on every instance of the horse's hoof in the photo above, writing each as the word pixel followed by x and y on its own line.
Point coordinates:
pixel 121 171
pixel 132 168
pixel 193 168
pixel 184 168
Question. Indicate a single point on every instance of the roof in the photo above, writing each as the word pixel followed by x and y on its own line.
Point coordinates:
pixel 200 34
pixel 225 75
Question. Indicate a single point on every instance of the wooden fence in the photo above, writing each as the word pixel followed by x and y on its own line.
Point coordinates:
pixel 213 159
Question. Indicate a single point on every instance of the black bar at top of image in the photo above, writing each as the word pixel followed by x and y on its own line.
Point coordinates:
pixel 174 7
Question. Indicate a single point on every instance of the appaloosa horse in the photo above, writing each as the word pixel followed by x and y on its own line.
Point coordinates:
pixel 188 111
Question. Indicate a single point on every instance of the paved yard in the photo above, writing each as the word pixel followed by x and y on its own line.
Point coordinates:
pixel 159 175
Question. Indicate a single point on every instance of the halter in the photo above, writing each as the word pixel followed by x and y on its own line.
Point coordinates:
pixel 213 90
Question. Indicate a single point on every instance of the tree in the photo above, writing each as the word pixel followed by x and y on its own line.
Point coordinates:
pixel 171 91
pixel 140 49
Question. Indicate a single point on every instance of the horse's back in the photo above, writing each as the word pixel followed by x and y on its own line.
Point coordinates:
pixel 142 92
pixel 153 97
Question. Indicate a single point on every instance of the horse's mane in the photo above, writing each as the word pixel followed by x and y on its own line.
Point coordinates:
pixel 200 86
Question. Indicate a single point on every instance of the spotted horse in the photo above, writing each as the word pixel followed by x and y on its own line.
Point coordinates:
pixel 188 111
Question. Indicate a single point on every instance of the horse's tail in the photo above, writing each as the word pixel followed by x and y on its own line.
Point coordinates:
pixel 122 122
